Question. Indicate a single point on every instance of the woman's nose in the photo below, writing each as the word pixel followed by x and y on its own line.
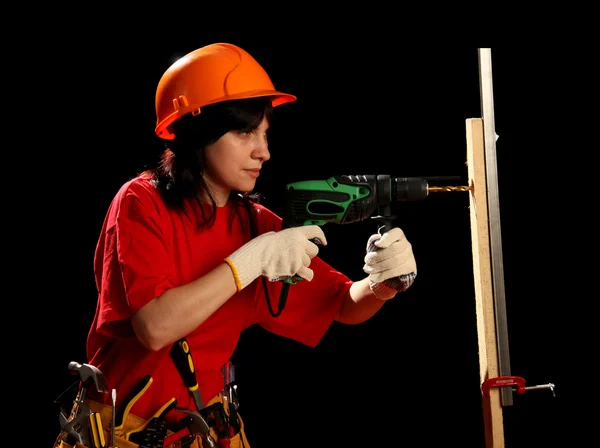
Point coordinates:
pixel 261 151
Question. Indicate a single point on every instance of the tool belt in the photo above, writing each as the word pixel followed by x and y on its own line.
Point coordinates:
pixel 136 428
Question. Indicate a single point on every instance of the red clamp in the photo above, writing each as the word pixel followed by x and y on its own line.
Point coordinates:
pixel 502 381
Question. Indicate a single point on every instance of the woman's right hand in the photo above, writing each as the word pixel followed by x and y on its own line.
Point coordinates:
pixel 277 255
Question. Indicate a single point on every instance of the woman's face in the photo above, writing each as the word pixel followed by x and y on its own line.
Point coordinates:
pixel 234 161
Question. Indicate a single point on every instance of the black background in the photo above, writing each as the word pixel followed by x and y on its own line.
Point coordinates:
pixel 409 376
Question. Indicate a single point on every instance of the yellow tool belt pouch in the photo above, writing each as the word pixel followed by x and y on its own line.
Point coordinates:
pixel 133 424
pixel 210 412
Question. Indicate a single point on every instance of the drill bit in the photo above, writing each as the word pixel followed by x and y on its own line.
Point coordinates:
pixel 437 189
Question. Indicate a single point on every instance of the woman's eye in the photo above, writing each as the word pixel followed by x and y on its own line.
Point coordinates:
pixel 248 134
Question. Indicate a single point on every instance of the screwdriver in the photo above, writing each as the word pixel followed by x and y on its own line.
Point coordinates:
pixel 113 418
pixel 229 396
pixel 182 357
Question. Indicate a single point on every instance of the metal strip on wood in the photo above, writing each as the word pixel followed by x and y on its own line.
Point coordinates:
pixel 487 109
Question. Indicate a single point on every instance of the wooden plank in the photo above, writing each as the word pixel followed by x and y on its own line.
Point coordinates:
pixel 484 297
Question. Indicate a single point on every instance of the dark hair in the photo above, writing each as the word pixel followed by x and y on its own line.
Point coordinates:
pixel 178 175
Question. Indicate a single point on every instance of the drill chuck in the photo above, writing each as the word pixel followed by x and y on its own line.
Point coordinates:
pixel 409 189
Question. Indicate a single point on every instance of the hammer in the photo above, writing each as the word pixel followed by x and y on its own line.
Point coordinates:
pixel 197 425
pixel 77 426
pixel 86 373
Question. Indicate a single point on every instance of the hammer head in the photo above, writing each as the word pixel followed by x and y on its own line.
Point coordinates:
pixel 195 422
pixel 87 374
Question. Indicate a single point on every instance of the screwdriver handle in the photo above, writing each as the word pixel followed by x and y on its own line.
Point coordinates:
pixel 182 357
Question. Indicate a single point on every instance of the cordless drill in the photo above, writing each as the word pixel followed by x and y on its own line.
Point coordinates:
pixel 346 199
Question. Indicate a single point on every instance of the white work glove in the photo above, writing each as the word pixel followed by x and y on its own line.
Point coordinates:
pixel 277 255
pixel 390 263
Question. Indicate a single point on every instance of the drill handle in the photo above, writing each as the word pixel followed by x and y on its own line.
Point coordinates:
pixel 385 219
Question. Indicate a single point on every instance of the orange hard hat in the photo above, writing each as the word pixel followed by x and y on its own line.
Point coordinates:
pixel 214 73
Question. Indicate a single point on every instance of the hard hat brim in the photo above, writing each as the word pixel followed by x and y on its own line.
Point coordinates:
pixel 277 98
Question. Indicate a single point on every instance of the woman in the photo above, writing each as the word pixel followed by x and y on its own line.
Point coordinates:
pixel 182 247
